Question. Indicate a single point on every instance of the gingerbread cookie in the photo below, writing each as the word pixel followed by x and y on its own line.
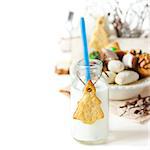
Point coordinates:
pixel 89 110
pixel 100 36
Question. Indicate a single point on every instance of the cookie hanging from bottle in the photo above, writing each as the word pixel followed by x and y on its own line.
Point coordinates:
pixel 89 109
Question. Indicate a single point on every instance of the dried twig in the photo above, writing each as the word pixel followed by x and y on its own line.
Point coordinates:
pixel 142 105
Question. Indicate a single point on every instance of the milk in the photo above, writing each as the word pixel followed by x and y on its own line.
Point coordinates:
pixel 97 131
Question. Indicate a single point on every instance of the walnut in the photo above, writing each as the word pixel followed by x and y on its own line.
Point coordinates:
pixel 143 67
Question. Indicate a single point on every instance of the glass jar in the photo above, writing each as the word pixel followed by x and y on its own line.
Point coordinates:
pixel 96 132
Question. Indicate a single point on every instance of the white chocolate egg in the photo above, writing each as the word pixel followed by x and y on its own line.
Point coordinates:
pixel 109 76
pixel 115 66
pixel 126 77
pixel 129 60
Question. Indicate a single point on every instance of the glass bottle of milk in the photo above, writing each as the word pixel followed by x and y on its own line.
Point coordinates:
pixel 96 132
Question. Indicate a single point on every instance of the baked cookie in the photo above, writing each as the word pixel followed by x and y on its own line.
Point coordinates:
pixel 89 110
pixel 65 90
pixel 100 36
pixel 62 67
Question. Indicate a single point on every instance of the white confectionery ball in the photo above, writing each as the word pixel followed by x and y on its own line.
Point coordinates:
pixel 115 66
pixel 129 60
pixel 126 77
pixel 109 76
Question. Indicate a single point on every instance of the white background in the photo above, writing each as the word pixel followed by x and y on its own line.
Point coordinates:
pixel 31 115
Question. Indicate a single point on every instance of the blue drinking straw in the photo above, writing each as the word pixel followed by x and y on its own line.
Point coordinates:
pixel 85 49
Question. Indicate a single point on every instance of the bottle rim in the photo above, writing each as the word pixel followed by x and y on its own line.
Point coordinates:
pixel 94 63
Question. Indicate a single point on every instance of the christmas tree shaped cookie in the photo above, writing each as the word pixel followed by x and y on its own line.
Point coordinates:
pixel 100 36
pixel 89 110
